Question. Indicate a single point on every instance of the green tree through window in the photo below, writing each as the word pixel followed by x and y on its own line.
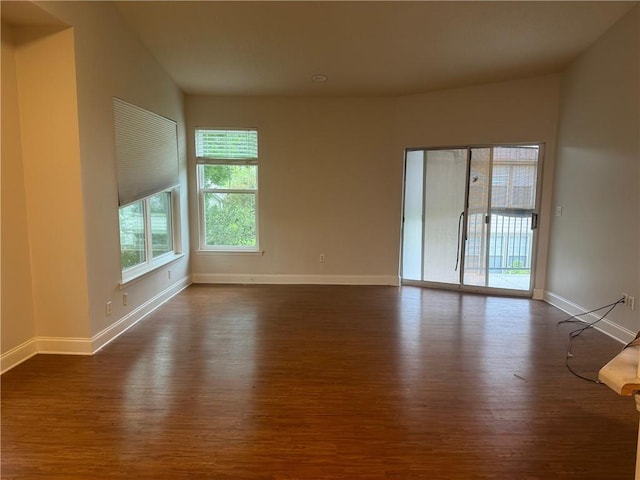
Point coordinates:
pixel 227 181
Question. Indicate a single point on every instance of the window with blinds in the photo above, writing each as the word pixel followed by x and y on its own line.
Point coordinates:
pixel 146 147
pixel 146 152
pixel 227 173
pixel 226 145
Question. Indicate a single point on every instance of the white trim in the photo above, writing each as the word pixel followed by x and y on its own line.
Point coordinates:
pixel 605 326
pixel 64 345
pixel 150 264
pixel 284 279
pixel 116 329
pixel 36 345
pixel 88 346
pixel 18 354
pixel 151 268
pixel 538 294
pixel 201 162
pixel 229 252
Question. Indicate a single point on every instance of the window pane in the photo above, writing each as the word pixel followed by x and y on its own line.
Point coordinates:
pixel 412 237
pixel 236 177
pixel 161 237
pixel 229 144
pixel 132 238
pixel 500 176
pixel 230 219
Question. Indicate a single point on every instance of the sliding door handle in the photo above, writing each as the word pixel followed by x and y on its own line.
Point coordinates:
pixel 460 240
pixel 534 220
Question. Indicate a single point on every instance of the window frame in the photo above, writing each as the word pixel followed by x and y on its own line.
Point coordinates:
pixel 151 264
pixel 201 164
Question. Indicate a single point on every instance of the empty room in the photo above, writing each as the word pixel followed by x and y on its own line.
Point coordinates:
pixel 320 240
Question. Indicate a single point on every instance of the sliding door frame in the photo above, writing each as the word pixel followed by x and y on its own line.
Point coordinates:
pixel 462 240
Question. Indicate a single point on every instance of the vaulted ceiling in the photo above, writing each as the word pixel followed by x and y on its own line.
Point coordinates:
pixel 364 48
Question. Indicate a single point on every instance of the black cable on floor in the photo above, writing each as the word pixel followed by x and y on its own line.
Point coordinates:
pixel 572 317
pixel 575 333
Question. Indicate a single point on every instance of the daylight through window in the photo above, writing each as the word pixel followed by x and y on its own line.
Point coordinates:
pixel 146 151
pixel 146 231
pixel 227 163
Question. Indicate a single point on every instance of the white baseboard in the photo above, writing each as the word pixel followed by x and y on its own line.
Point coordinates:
pixel 64 345
pixel 116 329
pixel 18 354
pixel 87 346
pixel 265 279
pixel 35 345
pixel 605 326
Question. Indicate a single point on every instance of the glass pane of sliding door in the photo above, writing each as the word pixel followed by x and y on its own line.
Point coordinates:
pixel 501 208
pixel 445 182
pixel 412 225
pixel 475 252
pixel 513 216
pixel 433 204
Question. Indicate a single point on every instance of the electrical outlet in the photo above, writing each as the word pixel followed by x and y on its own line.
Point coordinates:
pixel 322 257
pixel 169 273
pixel 125 298
pixel 631 303
pixel 108 308
pixel 625 296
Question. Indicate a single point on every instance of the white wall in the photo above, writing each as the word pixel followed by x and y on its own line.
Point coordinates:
pixel 43 233
pixel 76 274
pixel 330 177
pixel 327 186
pixel 595 244
pixel 110 62
pixel 331 172
pixel 18 320
pixel 51 159
pixel 500 113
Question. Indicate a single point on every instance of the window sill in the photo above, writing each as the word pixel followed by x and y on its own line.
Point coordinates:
pixel 138 274
pixel 230 252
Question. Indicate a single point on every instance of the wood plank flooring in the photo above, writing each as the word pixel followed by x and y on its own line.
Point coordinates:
pixel 324 382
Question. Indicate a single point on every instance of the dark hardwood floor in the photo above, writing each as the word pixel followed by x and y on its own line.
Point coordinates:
pixel 324 382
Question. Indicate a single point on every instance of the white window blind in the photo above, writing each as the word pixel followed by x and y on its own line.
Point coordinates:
pixel 146 152
pixel 231 145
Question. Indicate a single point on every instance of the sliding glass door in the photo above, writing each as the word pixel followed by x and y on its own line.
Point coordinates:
pixel 470 217
pixel 434 201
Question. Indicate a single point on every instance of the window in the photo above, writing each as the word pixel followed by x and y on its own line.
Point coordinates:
pixel 146 234
pixel 514 177
pixel 146 147
pixel 227 163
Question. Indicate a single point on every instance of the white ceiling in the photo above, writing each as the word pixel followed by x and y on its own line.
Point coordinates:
pixel 365 48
